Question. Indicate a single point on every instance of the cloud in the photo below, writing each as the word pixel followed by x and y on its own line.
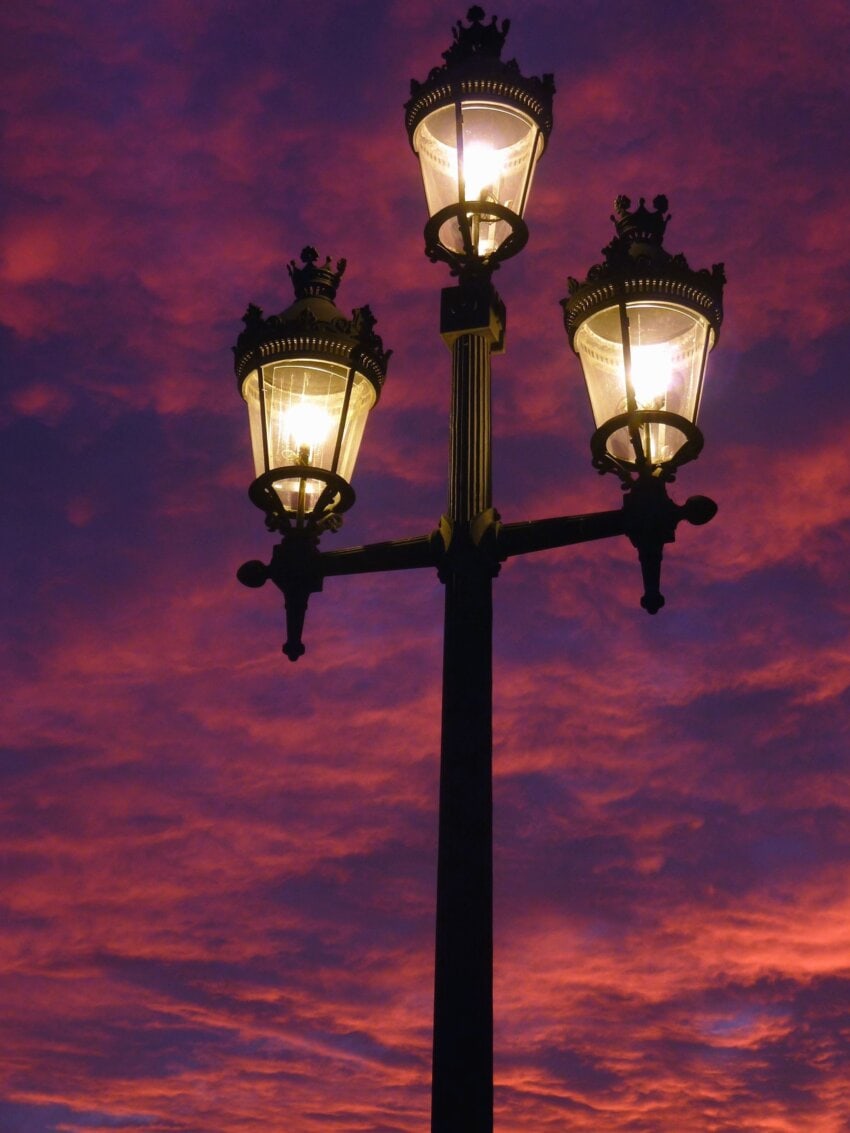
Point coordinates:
pixel 219 866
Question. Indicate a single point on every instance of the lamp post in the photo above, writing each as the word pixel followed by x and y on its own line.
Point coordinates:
pixel 642 324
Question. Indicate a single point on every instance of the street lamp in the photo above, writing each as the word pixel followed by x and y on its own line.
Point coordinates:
pixel 642 324
pixel 478 127
pixel 309 377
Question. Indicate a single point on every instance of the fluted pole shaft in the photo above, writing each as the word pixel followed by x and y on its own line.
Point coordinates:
pixel 462 1083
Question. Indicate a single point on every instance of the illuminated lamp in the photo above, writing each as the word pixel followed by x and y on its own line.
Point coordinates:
pixel 309 377
pixel 642 324
pixel 478 127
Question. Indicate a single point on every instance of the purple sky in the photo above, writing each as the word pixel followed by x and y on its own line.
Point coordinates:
pixel 218 867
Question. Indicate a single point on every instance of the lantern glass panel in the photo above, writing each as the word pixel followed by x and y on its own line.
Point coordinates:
pixel 303 400
pixel 488 155
pixel 668 351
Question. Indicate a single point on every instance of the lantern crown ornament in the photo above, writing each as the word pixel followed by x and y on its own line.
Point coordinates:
pixel 637 255
pixel 474 62
pixel 642 323
pixel 641 226
pixel 309 377
pixel 309 280
pixel 313 321
pixel 478 126
pixel 477 41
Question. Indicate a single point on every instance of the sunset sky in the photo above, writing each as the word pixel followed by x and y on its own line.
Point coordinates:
pixel 218 868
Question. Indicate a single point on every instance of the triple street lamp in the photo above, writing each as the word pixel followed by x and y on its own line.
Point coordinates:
pixel 642 323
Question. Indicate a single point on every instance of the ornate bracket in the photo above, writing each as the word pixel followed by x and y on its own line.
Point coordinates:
pixel 650 519
pixel 468 548
pixel 295 570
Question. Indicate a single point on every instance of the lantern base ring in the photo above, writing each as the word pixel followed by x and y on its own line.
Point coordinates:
pixel 605 461
pixel 336 497
pixel 466 213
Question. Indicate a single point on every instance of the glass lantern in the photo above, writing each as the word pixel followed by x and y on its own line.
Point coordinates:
pixel 477 161
pixel 309 378
pixel 478 127
pixel 644 363
pixel 306 414
pixel 642 324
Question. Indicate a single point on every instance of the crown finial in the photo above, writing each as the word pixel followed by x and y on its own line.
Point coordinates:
pixel 641 226
pixel 309 281
pixel 478 41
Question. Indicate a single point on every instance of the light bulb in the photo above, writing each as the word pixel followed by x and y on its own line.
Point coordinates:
pixel 308 426
pixel 652 375
pixel 482 171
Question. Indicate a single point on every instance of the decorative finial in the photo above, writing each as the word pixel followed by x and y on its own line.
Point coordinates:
pixel 312 281
pixel 253 317
pixel 478 41
pixel 641 226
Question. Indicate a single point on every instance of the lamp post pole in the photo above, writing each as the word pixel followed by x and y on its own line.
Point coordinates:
pixel 642 322
pixel 462 1078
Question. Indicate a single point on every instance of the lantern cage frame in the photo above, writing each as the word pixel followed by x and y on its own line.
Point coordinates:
pixel 311 330
pixel 473 74
pixel 637 271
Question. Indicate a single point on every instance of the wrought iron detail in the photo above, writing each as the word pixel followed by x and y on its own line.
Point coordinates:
pixel 336 497
pixel 313 325
pixel 295 571
pixel 470 265
pixel 636 266
pixel 474 68
pixel 604 461
pixel 473 307
pixel 650 519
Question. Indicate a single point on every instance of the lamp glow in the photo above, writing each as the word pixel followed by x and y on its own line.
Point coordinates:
pixel 652 375
pixel 478 127
pixel 482 172
pixel 307 426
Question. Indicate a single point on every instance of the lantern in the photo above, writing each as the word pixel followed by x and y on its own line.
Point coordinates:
pixel 642 324
pixel 309 377
pixel 478 127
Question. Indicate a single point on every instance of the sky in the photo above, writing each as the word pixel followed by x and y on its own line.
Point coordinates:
pixel 218 868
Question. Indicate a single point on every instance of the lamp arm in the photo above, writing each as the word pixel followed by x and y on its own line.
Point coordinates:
pixel 560 531
pixel 648 517
pixel 298 569
pixel 499 540
pixel 394 554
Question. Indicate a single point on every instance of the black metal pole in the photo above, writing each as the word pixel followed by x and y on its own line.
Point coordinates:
pixel 462 1079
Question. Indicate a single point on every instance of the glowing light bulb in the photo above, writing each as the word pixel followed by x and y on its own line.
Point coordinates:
pixel 652 374
pixel 308 426
pixel 482 171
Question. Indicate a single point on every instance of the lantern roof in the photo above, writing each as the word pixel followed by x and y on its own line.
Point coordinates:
pixel 313 326
pixel 474 68
pixel 637 262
